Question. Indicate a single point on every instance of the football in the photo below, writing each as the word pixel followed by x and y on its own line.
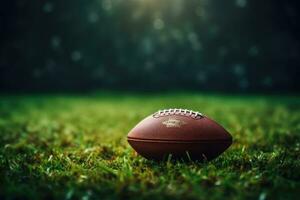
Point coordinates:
pixel 179 134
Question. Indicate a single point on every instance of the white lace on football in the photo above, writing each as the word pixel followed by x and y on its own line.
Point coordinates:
pixel 176 111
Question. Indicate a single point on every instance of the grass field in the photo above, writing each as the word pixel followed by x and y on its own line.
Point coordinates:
pixel 74 147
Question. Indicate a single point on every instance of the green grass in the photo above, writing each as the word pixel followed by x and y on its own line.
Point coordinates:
pixel 74 147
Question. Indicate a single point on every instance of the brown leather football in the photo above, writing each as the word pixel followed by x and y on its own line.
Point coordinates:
pixel 181 133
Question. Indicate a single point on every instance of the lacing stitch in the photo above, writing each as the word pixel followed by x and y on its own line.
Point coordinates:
pixel 176 111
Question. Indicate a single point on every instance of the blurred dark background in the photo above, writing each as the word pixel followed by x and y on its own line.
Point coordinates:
pixel 150 45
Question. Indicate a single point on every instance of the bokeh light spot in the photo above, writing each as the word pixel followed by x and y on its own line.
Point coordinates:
pixel 93 17
pixel 48 7
pixel 158 24
pixel 76 56
pixel 239 69
pixel 253 51
pixel 55 42
pixel 241 3
pixel 107 5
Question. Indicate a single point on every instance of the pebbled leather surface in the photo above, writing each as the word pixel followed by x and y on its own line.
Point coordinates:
pixel 178 128
pixel 182 136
